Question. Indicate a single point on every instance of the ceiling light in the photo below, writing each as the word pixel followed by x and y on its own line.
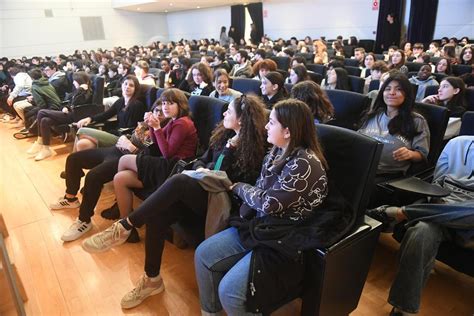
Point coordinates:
pixel 198 7
pixel 138 9
pixel 166 10
pixel 171 4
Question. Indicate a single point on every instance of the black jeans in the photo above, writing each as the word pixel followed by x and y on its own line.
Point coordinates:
pixel 178 196
pixel 9 109
pixel 103 165
pixel 48 118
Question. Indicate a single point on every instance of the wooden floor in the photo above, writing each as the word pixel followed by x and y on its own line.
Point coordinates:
pixel 62 279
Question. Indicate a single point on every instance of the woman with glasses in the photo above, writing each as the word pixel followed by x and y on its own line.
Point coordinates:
pixel 176 140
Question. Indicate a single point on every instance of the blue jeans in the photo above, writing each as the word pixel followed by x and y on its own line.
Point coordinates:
pixel 420 245
pixel 222 269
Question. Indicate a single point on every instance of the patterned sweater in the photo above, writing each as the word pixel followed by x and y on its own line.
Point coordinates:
pixel 288 190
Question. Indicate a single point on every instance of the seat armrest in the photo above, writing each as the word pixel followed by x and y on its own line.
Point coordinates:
pixel 418 186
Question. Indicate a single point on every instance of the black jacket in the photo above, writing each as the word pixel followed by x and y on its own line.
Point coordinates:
pixel 278 259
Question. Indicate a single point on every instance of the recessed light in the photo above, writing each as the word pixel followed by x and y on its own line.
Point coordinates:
pixel 138 9
pixel 171 4
pixel 166 10
pixel 198 7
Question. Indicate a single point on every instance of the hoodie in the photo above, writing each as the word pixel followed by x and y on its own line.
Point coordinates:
pixel 45 95
pixel 60 83
pixel 422 84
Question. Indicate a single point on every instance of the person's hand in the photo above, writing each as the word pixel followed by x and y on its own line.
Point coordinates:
pixel 124 143
pixel 402 154
pixel 146 116
pixel 4 88
pixel 10 101
pixel 431 99
pixel 65 110
pixel 29 98
pixel 84 122
pixel 153 122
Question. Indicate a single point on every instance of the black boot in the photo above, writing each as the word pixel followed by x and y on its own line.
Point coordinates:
pixel 112 213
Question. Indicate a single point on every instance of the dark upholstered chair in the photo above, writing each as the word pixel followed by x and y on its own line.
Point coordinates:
pixel 467 125
pixel 320 69
pixel 282 62
pixel 246 85
pixel 351 62
pixel 353 70
pixel 206 113
pixel 470 98
pixel 439 77
pixel 348 107
pixel 367 44
pixel 412 66
pixel 335 276
pixel 316 77
pixel 431 90
pixel 374 85
pixel 461 69
pixel 357 84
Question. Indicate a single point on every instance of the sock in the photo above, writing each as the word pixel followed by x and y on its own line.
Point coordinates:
pixel 153 279
pixel 71 199
pixel 40 140
pixel 125 224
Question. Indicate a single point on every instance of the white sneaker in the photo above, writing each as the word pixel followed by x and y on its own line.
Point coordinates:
pixel 6 118
pixel 44 153
pixel 14 120
pixel 145 287
pixel 63 203
pixel 34 149
pixel 113 236
pixel 76 230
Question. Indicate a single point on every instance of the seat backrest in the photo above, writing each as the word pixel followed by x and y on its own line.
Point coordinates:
pixel 351 62
pixel 97 90
pixel 439 77
pixel 437 118
pixel 380 56
pixel 206 112
pixel 412 74
pixel 308 56
pixel 467 125
pixel 414 86
pixel 374 85
pixel 246 85
pixel 470 98
pixel 357 84
pixel 155 72
pixel 367 44
pixel 282 62
pixel 159 92
pixel 348 107
pixel 320 69
pixel 194 60
pixel 147 95
pixel 348 50
pixel 353 70
pixel 431 90
pixel 461 69
pixel 412 66
pixel 316 77
pixel 353 159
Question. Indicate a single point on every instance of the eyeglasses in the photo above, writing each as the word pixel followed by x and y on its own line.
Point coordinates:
pixel 157 111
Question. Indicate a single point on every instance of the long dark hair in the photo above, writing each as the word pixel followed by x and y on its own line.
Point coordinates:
pixel 297 117
pixel 458 99
pixel 177 96
pixel 342 82
pixel 448 68
pixel 251 145
pixel 136 83
pixel 301 72
pixel 277 78
pixel 403 124
pixel 311 93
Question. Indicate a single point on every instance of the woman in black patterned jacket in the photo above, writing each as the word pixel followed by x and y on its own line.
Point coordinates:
pixel 292 183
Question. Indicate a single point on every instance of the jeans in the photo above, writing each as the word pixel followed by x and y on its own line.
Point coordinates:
pixel 47 119
pixel 222 268
pixel 103 165
pixel 420 245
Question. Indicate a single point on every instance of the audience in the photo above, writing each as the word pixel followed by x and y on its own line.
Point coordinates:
pixel 273 88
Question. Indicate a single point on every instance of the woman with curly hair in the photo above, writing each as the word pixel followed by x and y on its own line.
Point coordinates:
pixel 320 52
pixel 237 147
pixel 198 81
pixel 311 93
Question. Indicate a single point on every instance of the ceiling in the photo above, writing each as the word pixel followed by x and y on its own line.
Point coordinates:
pixel 165 6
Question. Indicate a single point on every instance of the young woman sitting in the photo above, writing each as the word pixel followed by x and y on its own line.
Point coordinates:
pixel 397 61
pixel 404 133
pixel 311 93
pixel 444 67
pixel 177 140
pixel 336 78
pixel 47 118
pixel 198 81
pixel 273 88
pixel 262 67
pixel 129 111
pixel 292 183
pixel 221 82
pixel 298 73
pixel 237 146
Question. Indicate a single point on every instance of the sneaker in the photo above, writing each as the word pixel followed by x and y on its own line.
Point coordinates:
pixel 113 236
pixel 64 203
pixel 379 214
pixel 34 149
pixel 144 288
pixel 76 230
pixel 44 153
pixel 13 120
pixel 7 118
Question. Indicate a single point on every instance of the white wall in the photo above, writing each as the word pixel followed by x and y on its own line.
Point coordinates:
pixel 199 23
pixel 320 17
pixel 26 31
pixel 455 18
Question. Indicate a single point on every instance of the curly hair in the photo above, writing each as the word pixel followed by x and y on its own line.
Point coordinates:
pixel 252 144
pixel 311 93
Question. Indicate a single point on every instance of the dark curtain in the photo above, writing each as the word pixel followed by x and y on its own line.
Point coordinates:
pixel 256 13
pixel 422 21
pixel 386 34
pixel 237 18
